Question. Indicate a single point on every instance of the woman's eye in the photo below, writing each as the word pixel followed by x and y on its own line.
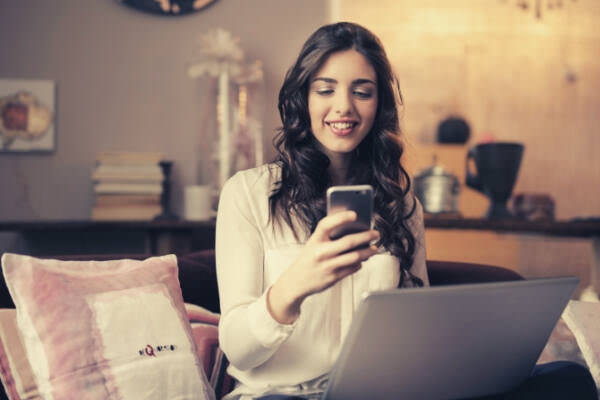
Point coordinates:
pixel 324 92
pixel 363 95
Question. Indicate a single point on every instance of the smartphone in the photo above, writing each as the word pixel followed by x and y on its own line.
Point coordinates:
pixel 358 198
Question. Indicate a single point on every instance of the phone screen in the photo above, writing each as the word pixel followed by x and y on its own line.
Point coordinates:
pixel 358 198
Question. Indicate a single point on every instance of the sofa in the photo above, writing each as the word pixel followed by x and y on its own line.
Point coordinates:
pixel 197 278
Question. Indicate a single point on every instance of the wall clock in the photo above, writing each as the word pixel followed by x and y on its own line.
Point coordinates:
pixel 169 7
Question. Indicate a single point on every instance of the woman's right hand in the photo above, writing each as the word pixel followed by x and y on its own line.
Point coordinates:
pixel 323 262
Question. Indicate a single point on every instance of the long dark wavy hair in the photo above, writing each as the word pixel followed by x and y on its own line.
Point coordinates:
pixel 300 193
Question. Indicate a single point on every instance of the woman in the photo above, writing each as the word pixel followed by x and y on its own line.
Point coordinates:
pixel 287 290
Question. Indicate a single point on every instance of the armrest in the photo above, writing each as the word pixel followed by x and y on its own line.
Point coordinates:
pixel 452 273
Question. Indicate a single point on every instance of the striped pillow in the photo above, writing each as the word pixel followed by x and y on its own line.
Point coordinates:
pixel 19 382
pixel 91 329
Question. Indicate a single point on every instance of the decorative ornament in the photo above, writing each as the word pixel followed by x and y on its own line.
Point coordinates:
pixel 240 134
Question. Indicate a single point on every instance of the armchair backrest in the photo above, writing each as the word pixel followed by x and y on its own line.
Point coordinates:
pixel 453 273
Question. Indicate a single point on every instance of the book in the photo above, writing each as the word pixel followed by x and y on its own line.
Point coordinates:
pixel 127 199
pixel 132 188
pixel 98 176
pixel 125 213
pixel 141 173
pixel 147 169
pixel 129 157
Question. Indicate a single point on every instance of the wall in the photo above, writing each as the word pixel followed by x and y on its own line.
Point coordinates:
pixel 121 85
pixel 536 81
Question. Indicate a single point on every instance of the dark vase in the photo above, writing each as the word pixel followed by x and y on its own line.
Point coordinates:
pixel 453 130
pixel 497 166
pixel 165 199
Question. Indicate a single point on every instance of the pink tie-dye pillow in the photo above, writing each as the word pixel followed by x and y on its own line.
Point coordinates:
pixel 584 320
pixel 105 329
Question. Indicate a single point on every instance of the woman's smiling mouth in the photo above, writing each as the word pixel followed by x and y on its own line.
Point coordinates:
pixel 341 128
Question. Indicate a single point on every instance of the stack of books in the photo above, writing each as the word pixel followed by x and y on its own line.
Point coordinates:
pixel 127 186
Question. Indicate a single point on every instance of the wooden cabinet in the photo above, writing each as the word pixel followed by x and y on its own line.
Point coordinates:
pixel 49 238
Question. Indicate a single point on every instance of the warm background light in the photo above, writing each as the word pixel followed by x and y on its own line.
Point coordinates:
pixel 511 75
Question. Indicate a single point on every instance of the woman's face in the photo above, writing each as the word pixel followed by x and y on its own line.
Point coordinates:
pixel 342 102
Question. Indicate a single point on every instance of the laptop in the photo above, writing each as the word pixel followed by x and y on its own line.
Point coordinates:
pixel 447 342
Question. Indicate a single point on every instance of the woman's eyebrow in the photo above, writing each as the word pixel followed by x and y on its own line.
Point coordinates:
pixel 363 81
pixel 360 81
pixel 328 80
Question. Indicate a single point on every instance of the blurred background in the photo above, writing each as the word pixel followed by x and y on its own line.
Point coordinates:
pixel 525 71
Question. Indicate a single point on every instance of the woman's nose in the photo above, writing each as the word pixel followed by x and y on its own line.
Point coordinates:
pixel 343 103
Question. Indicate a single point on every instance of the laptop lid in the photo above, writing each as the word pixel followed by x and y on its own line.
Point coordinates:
pixel 447 342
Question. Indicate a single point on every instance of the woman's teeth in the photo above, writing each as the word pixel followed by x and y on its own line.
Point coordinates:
pixel 341 125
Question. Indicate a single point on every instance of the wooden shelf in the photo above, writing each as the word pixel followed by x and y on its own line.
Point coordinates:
pixel 52 237
pixel 574 228
pixel 83 225
pixel 160 235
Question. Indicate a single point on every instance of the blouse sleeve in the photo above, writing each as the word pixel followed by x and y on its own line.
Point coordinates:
pixel 248 334
pixel 417 224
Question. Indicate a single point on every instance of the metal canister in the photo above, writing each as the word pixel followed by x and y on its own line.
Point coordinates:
pixel 437 189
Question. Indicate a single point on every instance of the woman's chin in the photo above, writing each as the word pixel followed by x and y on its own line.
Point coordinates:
pixel 341 150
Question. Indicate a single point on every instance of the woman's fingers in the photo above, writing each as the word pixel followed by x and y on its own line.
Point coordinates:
pixel 347 243
pixel 351 258
pixel 325 261
pixel 330 222
pixel 341 273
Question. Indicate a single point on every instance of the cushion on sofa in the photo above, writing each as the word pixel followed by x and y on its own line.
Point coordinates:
pixel 104 329
pixel 17 375
pixel 584 320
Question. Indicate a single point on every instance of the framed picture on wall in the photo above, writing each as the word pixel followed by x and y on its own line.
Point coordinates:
pixel 27 115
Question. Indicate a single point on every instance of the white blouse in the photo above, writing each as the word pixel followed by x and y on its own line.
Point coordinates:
pixel 266 356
